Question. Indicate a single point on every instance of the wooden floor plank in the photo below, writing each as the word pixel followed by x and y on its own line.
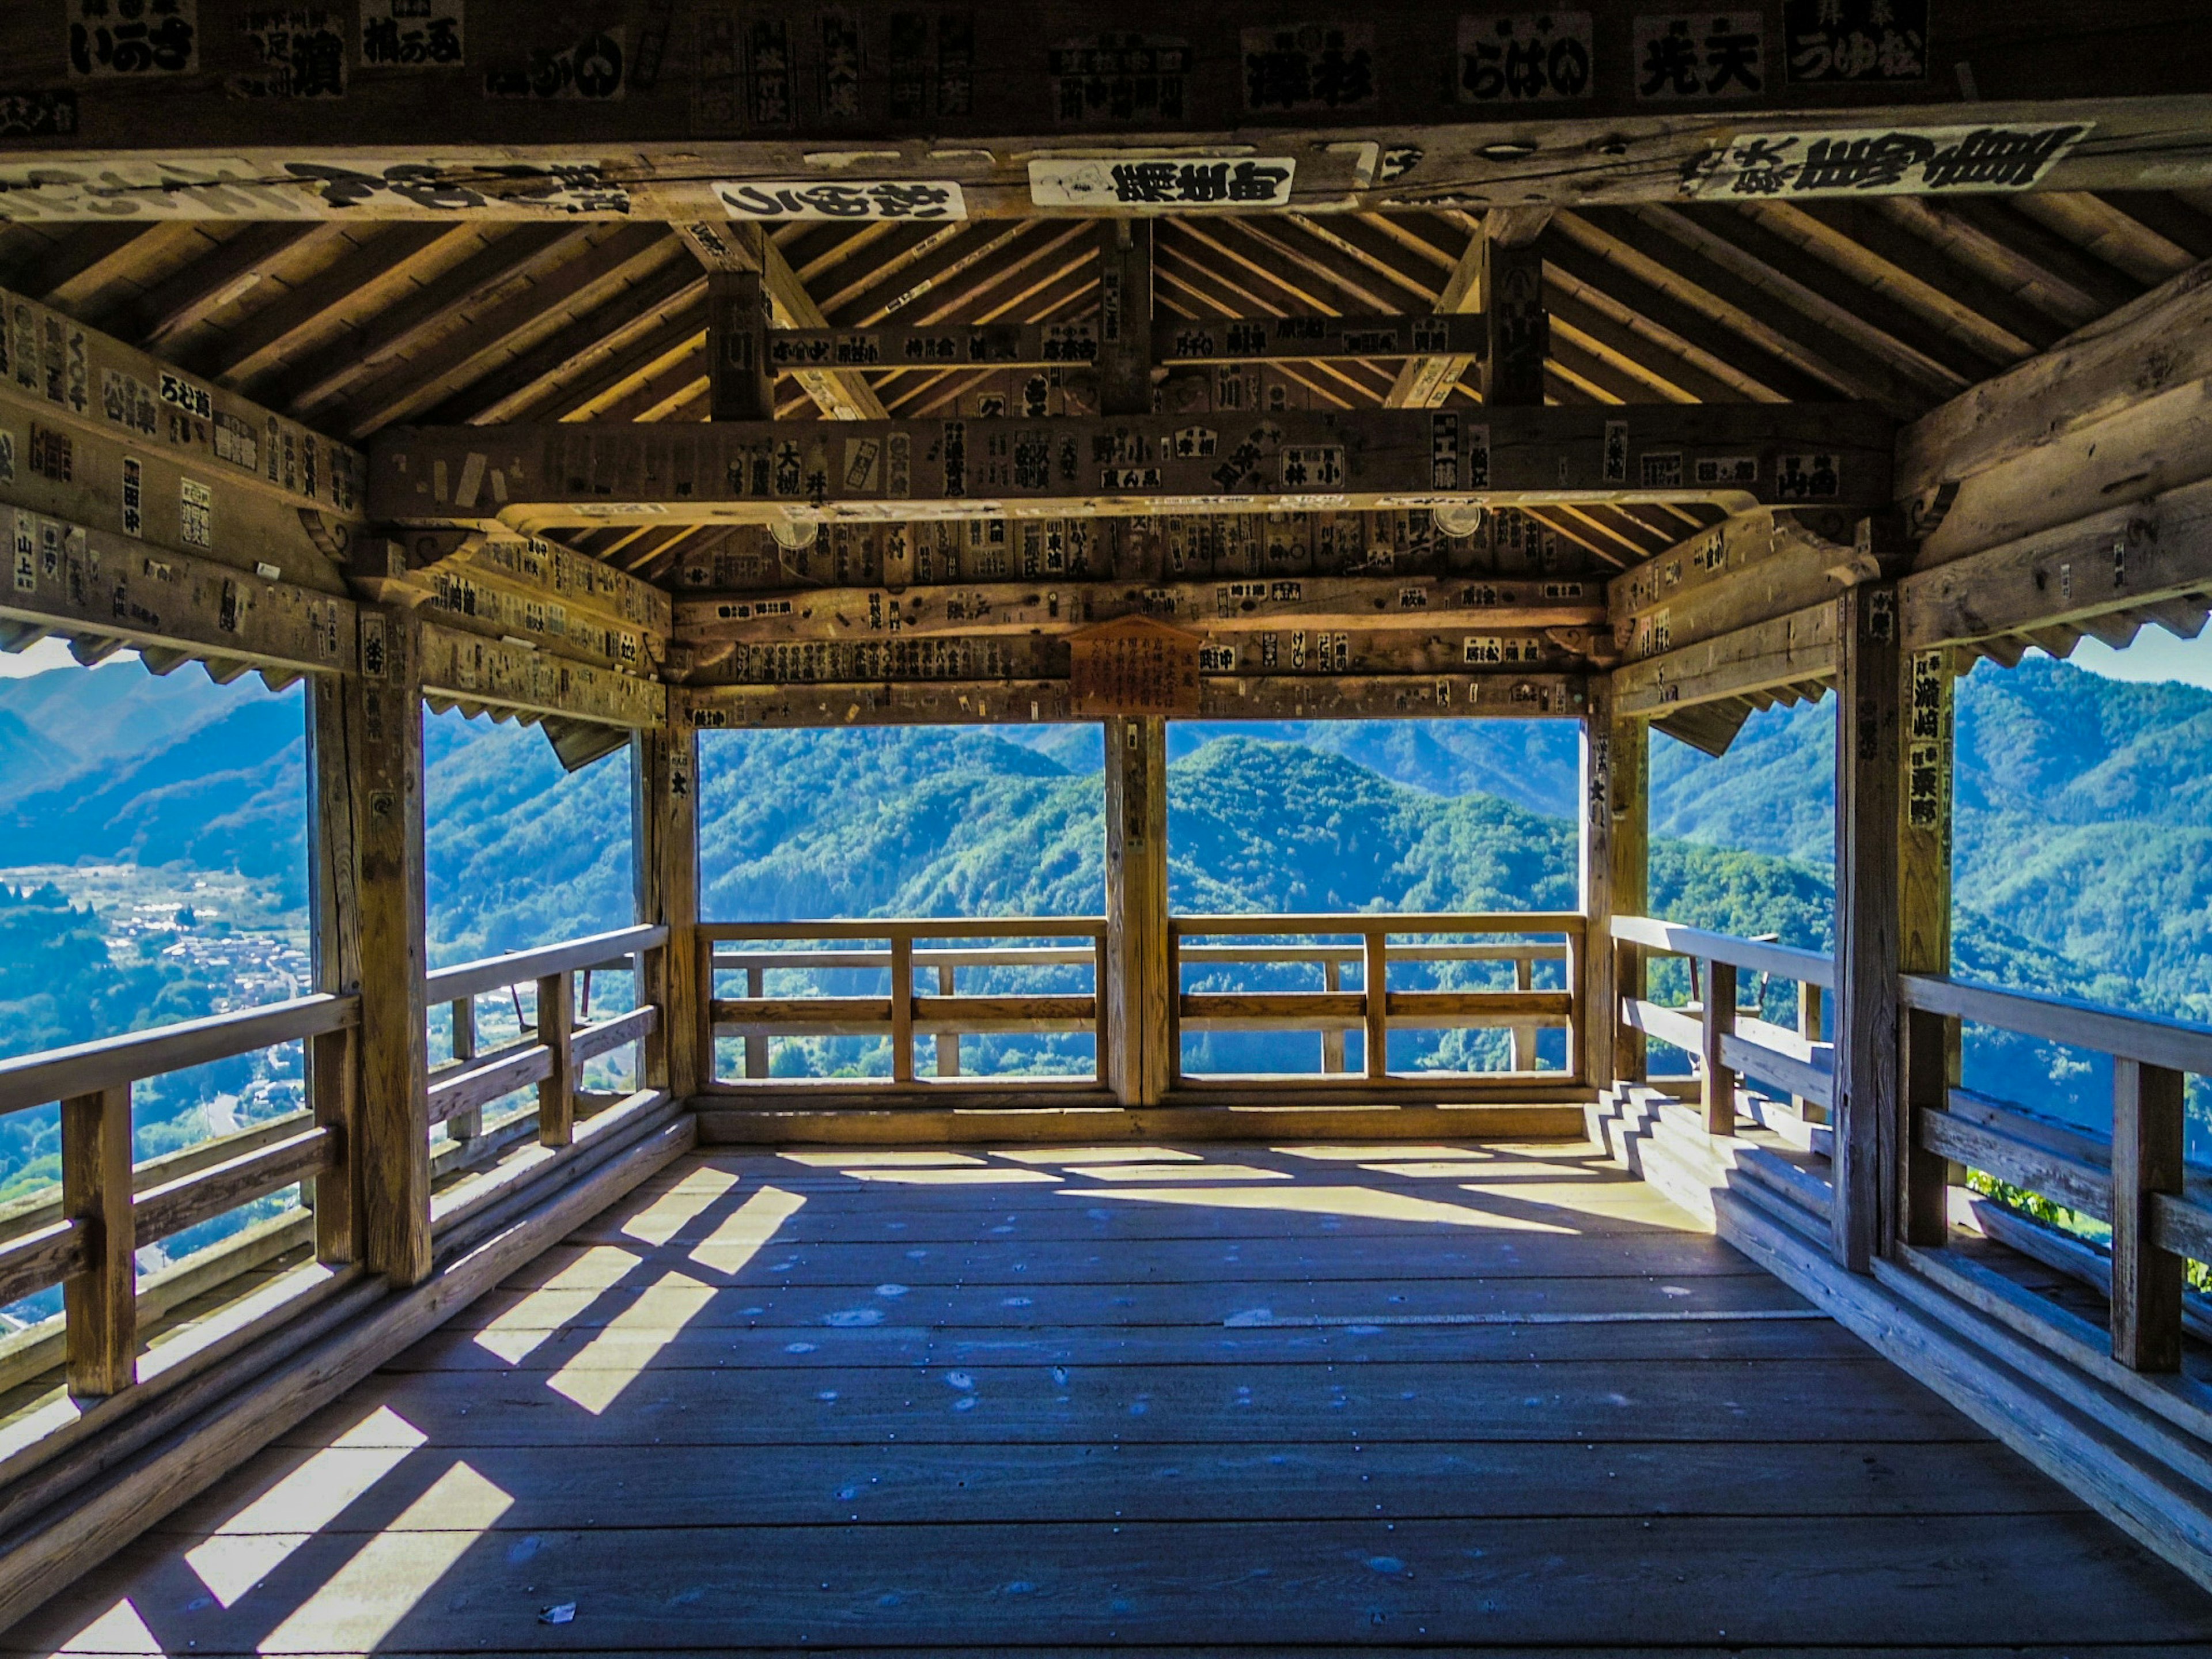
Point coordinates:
pixel 1964 1579
pixel 1357 1401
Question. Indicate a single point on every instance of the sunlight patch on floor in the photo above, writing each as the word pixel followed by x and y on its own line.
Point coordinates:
pixel 662 1218
pixel 957 1177
pixel 1363 1203
pixel 1458 1169
pixel 1182 1172
pixel 742 1233
pixel 254 1542
pixel 1614 1201
pixel 885 1160
pixel 118 1631
pixel 1388 1149
pixel 364 1601
pixel 516 1332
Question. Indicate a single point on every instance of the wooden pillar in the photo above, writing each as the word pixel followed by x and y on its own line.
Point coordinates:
pixel 1929 1063
pixel 100 1304
pixel 664 817
pixel 465 1125
pixel 1868 778
pixel 903 1007
pixel 1137 1063
pixel 2148 1119
pixel 1718 1079
pixel 1125 316
pixel 366 753
pixel 1810 1027
pixel 1375 977
pixel 1331 1037
pixel 1591 1052
pixel 1511 285
pixel 1617 1048
pixel 948 1042
pixel 741 386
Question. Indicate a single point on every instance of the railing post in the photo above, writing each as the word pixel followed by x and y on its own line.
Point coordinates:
pixel 1332 1036
pixel 1524 1036
pixel 465 1125
pixel 756 1041
pixel 365 752
pixel 1375 975
pixel 1628 758
pixel 556 1092
pixel 1869 759
pixel 2147 1161
pixel 902 1006
pixel 1924 1086
pixel 1808 1027
pixel 665 819
pixel 948 1042
pixel 1139 986
pixel 1719 1025
pixel 101 1303
pixel 332 1066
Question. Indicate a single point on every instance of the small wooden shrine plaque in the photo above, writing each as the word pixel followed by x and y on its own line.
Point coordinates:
pixel 1133 666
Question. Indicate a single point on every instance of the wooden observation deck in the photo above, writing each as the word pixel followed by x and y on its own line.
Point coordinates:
pixel 686 369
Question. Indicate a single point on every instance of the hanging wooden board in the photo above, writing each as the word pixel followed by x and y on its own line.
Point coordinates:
pixel 1134 665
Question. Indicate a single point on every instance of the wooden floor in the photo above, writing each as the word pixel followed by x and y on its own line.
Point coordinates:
pixel 1235 1398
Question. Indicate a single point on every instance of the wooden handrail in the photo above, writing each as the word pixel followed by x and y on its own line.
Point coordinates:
pixel 86 1068
pixel 913 927
pixel 1783 961
pixel 1359 925
pixel 2175 1044
pixel 469 979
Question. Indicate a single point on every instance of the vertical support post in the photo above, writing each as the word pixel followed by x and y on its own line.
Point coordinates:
pixel 756 1041
pixel 948 1042
pixel 665 822
pixel 1375 975
pixel 1590 1052
pixel 1719 1024
pixel 2147 1161
pixel 1869 761
pixel 465 1125
pixel 741 386
pixel 556 1090
pixel 1629 758
pixel 1125 317
pixel 901 1007
pixel 1511 284
pixel 1920 1178
pixel 100 1305
pixel 365 746
pixel 333 1065
pixel 1524 1034
pixel 1138 984
pixel 1332 1036
pixel 1809 1027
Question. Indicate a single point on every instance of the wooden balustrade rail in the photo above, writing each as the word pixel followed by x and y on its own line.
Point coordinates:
pixel 944 1016
pixel 85 1238
pixel 1375 1010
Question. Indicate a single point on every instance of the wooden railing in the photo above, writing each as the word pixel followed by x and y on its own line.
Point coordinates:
pixel 1726 1040
pixel 2133 1179
pixel 549 1052
pixel 1374 1008
pixel 903 1012
pixel 85 1238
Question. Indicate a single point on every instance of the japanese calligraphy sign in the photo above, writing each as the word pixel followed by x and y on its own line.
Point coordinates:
pixel 1134 665
pixel 1310 67
pixel 1928 742
pixel 1882 162
pixel 845 198
pixel 37 114
pixel 1162 183
pixel 412 34
pixel 1126 79
pixel 113 37
pixel 234 188
pixel 591 69
pixel 298 52
pixel 1699 56
pixel 1525 57
pixel 1830 40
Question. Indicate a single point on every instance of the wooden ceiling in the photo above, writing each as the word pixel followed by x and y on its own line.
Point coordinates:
pixel 356 326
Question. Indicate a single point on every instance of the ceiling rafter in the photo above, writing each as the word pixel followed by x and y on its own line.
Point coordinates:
pixel 301 315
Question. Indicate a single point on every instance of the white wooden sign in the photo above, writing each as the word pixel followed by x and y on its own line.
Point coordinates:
pixel 1882 160
pixel 1162 183
pixel 842 198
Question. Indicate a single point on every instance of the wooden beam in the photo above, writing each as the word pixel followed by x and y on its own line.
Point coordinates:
pixel 477 672
pixel 366 750
pixel 1793 650
pixel 1591 1044
pixel 739 371
pixel 1917 1180
pixel 1868 771
pixel 2154 343
pixel 1749 568
pixel 1512 289
pixel 1631 849
pixel 1139 956
pixel 532 476
pixel 88 583
pixel 1425 382
pixel 108 398
pixel 1126 348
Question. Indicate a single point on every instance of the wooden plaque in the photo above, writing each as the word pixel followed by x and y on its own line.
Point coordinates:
pixel 1134 665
